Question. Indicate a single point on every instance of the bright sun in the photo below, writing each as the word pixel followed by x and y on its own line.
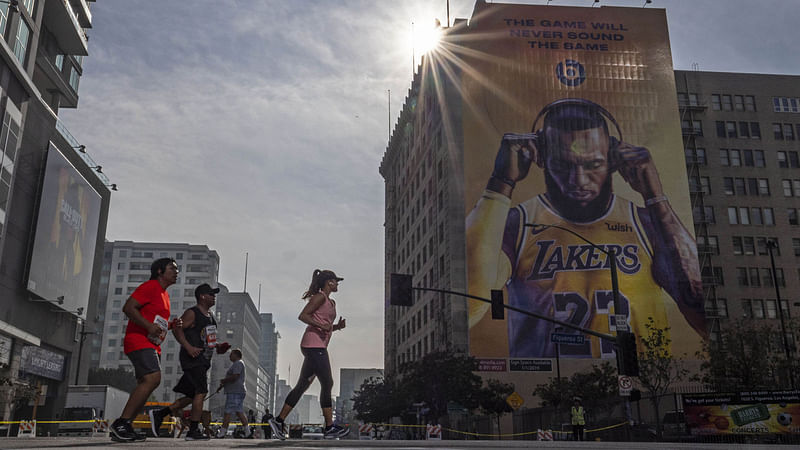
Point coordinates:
pixel 426 36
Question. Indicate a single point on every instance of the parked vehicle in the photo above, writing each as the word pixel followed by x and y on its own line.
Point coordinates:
pixel 89 403
pixel 312 431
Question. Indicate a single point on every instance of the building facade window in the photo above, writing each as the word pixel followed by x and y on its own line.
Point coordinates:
pixel 785 104
pixel 21 42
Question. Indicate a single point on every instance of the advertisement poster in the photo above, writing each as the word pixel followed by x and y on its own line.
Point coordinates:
pixel 572 149
pixel 66 235
pixel 775 412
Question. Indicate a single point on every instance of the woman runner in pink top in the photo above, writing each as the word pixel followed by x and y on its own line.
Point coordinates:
pixel 319 314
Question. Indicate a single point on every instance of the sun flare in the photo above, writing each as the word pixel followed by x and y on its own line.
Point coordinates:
pixel 427 35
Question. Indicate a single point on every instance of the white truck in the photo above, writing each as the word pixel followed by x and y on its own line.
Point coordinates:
pixel 90 402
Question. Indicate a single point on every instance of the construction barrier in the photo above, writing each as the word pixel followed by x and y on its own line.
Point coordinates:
pixel 433 432
pixel 27 428
pixel 365 432
pixel 544 435
pixel 100 426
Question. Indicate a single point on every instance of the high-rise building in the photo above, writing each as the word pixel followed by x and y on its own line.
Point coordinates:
pixel 424 225
pixel 350 381
pixel 238 324
pixel 54 202
pixel 268 356
pixel 126 265
pixel 740 137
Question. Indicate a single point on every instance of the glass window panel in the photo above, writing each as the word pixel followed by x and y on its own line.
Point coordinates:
pixel 769 218
pixel 755 216
pixel 733 216
pixel 735 158
pixel 744 216
pixel 759 158
pixel 21 42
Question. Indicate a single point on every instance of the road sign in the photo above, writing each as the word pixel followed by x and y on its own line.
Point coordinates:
pixel 564 338
pixel 620 319
pixel 515 400
pixel 625 385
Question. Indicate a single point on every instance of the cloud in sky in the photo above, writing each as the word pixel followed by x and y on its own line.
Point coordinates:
pixel 259 126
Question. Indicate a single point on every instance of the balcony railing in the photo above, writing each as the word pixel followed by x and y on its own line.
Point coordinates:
pixel 691 132
pixel 85 156
pixel 692 106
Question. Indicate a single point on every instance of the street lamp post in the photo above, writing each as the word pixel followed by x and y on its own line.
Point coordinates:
pixel 83 333
pixel 558 360
pixel 771 245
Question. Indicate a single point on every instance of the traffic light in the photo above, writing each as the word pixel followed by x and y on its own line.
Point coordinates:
pixel 627 355
pixel 498 309
pixel 400 291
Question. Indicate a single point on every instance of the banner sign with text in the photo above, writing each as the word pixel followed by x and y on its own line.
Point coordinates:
pixel 743 412
pixel 562 110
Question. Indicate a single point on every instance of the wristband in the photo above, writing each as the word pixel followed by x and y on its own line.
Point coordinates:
pixel 505 180
pixel 654 200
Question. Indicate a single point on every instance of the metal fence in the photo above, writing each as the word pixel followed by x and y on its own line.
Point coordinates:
pixel 608 421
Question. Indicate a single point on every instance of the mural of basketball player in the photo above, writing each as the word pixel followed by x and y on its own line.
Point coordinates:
pixel 553 272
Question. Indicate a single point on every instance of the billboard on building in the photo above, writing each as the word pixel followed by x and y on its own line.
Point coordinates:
pixel 572 149
pixel 773 412
pixel 66 234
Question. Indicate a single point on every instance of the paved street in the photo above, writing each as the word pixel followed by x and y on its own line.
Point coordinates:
pixel 163 443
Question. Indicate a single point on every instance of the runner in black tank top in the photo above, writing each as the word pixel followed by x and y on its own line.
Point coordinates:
pixel 198 339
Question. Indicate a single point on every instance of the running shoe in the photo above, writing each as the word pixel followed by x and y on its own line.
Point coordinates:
pixel 196 435
pixel 156 419
pixel 122 432
pixel 335 431
pixel 278 429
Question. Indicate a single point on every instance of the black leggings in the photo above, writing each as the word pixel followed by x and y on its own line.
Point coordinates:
pixel 316 363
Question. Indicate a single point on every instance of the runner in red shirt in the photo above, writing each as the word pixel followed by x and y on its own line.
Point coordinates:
pixel 148 314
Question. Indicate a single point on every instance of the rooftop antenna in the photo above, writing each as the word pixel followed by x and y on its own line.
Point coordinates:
pixel 389 93
pixel 448 13
pixel 413 57
pixel 259 298
pixel 246 257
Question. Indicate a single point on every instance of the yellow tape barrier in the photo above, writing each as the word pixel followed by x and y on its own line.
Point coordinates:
pixel 527 433
pixel 397 425
pixel 166 422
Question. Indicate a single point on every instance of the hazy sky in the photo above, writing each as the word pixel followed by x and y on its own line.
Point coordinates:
pixel 259 125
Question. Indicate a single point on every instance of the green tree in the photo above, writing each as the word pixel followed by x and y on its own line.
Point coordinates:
pixel 440 377
pixel 593 387
pixel 493 399
pixel 378 400
pixel 749 356
pixel 119 378
pixel 658 368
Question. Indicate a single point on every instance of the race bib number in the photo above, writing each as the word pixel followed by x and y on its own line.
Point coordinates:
pixel 210 340
pixel 211 336
pixel 164 325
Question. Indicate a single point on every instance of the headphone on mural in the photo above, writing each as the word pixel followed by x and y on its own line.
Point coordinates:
pixel 592 110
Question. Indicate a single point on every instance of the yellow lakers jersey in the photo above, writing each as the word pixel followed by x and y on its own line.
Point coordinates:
pixel 558 274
